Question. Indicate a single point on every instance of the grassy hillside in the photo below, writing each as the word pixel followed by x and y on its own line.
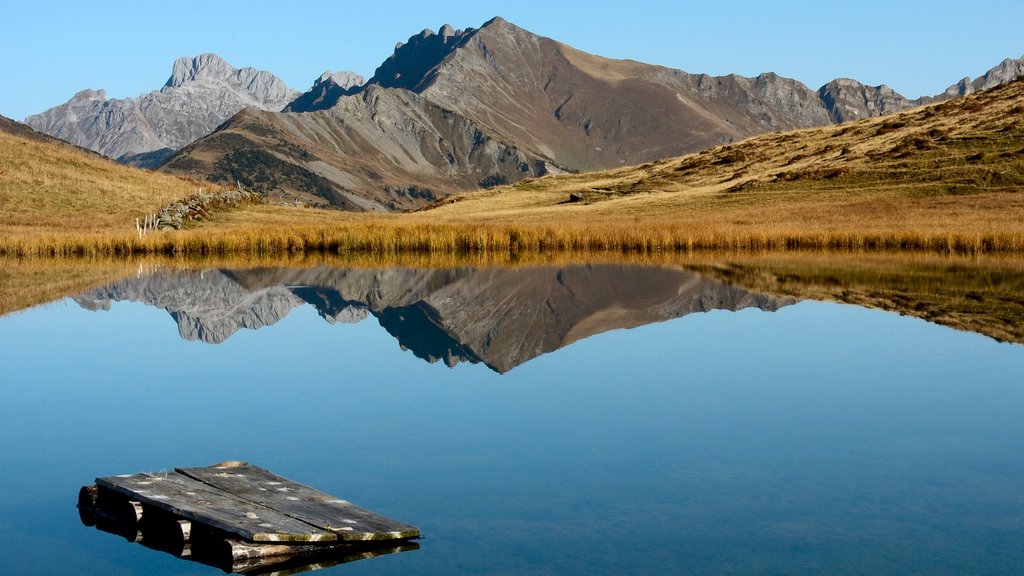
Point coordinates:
pixel 50 189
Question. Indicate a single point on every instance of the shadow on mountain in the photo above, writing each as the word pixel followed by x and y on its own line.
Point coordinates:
pixel 501 317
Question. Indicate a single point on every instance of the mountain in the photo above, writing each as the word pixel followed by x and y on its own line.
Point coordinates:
pixel 201 93
pixel 501 317
pixel 461 109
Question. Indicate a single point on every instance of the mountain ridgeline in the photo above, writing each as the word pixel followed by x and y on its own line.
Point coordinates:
pixel 454 110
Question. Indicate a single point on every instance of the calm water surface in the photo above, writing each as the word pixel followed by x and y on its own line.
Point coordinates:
pixel 511 417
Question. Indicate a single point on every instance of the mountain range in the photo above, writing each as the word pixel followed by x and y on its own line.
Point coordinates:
pixel 460 109
pixel 201 93
pixel 501 317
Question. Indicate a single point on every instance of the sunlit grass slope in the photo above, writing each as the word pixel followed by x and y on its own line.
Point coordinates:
pixel 50 189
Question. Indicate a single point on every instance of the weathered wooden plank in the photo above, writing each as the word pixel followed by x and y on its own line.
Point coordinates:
pixel 262 487
pixel 201 503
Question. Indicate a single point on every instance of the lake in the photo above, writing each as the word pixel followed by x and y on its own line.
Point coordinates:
pixel 603 418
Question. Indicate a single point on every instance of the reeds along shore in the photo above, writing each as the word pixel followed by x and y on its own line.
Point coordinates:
pixel 392 239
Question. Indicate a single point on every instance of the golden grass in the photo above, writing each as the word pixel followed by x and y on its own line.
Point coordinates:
pixel 48 189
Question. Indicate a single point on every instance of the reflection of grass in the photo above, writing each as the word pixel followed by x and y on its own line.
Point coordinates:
pixel 979 295
pixel 984 294
pixel 24 284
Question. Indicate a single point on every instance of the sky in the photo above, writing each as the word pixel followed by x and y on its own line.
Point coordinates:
pixel 50 49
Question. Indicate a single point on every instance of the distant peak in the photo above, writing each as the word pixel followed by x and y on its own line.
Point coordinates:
pixel 188 69
pixel 89 94
pixel 496 21
pixel 344 80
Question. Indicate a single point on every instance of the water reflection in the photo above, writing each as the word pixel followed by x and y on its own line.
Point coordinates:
pixel 230 556
pixel 501 317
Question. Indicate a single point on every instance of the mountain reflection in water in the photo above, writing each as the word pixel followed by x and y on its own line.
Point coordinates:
pixel 501 317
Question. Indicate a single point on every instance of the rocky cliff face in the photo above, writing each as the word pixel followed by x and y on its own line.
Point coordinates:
pixel 499 317
pixel 201 93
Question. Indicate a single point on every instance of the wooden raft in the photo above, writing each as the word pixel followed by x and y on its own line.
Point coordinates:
pixel 256 505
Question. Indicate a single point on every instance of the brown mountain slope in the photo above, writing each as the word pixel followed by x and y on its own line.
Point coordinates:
pixel 462 109
pixel 377 150
pixel 589 112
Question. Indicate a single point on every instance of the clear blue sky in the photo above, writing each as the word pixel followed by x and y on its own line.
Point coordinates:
pixel 53 49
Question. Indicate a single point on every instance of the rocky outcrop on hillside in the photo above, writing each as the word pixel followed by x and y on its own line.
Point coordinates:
pixel 847 100
pixel 201 93
pixel 1007 71
pixel 326 91
pixel 499 317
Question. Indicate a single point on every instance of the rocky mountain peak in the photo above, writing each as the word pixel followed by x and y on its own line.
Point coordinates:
pixel 89 94
pixel 411 64
pixel 343 80
pixel 201 93
pixel 188 69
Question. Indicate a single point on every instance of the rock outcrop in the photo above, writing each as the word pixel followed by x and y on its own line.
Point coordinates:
pixel 499 317
pixel 1007 71
pixel 848 100
pixel 326 91
pixel 201 93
